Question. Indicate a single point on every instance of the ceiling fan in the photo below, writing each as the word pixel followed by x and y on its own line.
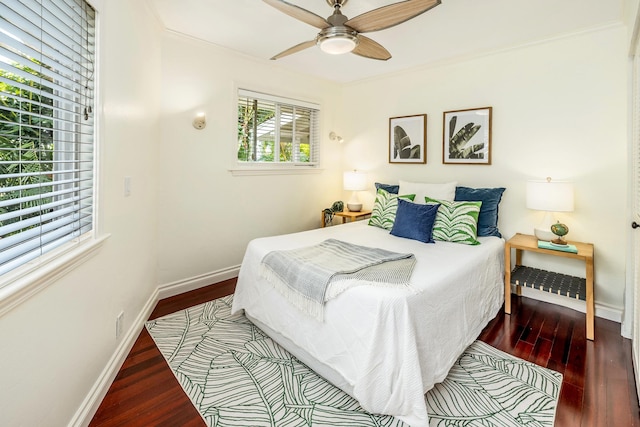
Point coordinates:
pixel 339 34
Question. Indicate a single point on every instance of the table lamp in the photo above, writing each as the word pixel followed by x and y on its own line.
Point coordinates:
pixel 549 196
pixel 354 181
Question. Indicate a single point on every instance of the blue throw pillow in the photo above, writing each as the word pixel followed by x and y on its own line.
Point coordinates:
pixel 490 198
pixel 415 221
pixel 390 188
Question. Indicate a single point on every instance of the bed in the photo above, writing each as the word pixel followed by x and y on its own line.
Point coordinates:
pixel 385 346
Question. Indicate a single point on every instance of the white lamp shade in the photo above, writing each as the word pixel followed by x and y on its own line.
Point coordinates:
pixel 355 181
pixel 550 196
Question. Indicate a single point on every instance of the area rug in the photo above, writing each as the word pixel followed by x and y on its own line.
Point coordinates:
pixel 235 375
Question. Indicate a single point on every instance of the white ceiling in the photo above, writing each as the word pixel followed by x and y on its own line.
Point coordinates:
pixel 454 29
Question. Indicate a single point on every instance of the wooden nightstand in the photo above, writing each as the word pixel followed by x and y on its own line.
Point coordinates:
pixel 347 215
pixel 562 284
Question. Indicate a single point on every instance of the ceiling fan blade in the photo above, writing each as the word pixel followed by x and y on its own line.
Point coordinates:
pixel 294 49
pixel 388 16
pixel 299 13
pixel 371 49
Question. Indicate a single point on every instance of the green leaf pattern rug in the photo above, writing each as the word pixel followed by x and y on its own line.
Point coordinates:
pixel 235 375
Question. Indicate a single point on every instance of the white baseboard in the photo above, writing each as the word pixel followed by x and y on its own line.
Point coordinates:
pixel 602 310
pixel 91 403
pixel 185 285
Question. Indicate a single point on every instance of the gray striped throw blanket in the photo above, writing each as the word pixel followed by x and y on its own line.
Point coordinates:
pixel 311 275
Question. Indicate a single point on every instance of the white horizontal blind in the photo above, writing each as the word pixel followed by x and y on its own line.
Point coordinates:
pixel 47 51
pixel 275 130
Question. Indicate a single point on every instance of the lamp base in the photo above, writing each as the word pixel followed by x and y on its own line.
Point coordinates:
pixel 543 234
pixel 543 230
pixel 354 204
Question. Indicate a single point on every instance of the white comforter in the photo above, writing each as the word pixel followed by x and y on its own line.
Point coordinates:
pixel 384 346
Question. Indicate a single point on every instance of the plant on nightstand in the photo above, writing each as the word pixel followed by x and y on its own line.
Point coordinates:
pixel 329 212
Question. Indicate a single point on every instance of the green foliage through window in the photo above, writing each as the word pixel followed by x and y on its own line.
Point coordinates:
pixel 276 132
pixel 26 146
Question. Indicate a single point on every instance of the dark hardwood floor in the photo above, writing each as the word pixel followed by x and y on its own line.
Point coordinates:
pixel 598 387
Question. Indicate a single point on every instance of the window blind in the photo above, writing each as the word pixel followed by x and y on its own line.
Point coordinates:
pixel 47 51
pixel 275 130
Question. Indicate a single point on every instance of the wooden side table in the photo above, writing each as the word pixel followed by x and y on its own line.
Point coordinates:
pixel 562 284
pixel 347 215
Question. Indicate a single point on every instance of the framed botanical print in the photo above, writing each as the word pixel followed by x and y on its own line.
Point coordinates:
pixel 466 136
pixel 408 139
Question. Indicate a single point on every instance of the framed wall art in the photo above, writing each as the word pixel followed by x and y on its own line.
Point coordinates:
pixel 466 136
pixel 408 139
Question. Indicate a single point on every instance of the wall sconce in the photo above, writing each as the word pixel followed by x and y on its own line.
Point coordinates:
pixel 200 121
pixel 334 137
pixel 549 196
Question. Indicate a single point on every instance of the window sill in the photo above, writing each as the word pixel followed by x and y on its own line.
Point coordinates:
pixel 43 273
pixel 257 171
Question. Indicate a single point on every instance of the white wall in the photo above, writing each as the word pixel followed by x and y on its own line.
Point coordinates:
pixel 207 215
pixel 55 345
pixel 559 110
pixel 630 16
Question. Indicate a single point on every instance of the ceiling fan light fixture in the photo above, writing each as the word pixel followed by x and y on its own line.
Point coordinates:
pixel 340 34
pixel 336 41
pixel 337 45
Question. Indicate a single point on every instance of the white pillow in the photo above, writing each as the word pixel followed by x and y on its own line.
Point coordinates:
pixel 445 191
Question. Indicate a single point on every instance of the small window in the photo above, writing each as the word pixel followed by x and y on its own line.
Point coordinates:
pixel 47 51
pixel 276 131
